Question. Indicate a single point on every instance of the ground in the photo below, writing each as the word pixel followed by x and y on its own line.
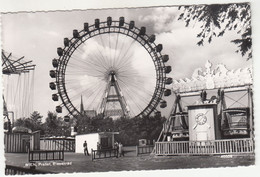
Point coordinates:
pixel 131 162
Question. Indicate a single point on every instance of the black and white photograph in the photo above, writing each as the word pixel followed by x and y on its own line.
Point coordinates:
pixel 152 88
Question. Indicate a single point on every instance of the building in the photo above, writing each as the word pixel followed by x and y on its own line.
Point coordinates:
pixel 105 139
pixel 212 114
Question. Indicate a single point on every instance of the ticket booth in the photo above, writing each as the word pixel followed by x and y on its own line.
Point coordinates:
pixel 105 139
pixel 203 122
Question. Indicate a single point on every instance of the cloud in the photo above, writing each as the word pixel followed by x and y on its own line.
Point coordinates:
pixel 163 19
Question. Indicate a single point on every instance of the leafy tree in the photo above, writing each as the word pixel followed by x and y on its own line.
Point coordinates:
pixel 130 129
pixel 34 122
pixel 216 19
pixel 19 122
pixel 53 124
pixel 36 117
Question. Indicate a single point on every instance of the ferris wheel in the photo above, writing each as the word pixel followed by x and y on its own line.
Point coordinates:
pixel 111 68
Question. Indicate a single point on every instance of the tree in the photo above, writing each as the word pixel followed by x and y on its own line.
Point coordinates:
pixel 34 122
pixel 52 124
pixel 36 117
pixel 19 122
pixel 216 19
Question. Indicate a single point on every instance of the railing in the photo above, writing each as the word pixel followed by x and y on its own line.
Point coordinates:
pixel 68 145
pixel 104 153
pixel 144 149
pixel 47 155
pixel 231 146
pixel 14 170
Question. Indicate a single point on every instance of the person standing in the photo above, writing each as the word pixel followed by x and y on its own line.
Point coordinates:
pixel 120 150
pixel 85 145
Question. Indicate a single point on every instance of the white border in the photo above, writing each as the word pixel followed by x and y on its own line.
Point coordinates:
pixel 52 5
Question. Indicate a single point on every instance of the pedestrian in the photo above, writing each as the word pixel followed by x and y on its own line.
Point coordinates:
pixel 120 150
pixel 27 146
pixel 85 145
pixel 116 145
pixel 98 149
pixel 98 146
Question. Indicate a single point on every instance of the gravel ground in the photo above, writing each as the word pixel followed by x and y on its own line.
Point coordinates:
pixel 131 162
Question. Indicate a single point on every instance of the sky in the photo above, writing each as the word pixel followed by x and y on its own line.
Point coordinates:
pixel 37 35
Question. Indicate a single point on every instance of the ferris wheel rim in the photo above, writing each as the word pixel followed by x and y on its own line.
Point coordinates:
pixel 133 33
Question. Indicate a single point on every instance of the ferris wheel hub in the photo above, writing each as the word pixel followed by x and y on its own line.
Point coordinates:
pixel 112 73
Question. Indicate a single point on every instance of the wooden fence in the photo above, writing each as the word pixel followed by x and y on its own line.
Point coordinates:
pixel 40 155
pixel 231 146
pixel 104 153
pixel 14 170
pixel 144 149
pixel 16 142
pixel 68 145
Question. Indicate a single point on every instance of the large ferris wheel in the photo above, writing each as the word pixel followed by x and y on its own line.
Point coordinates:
pixel 114 68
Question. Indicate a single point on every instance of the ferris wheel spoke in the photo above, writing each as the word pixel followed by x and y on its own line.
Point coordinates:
pixel 89 72
pixel 123 59
pixel 73 85
pixel 117 58
pixel 139 98
pixel 95 57
pixel 109 44
pixel 131 101
pixel 88 63
pixel 139 81
pixel 136 86
pixel 115 46
pixel 87 93
pixel 74 74
pixel 108 57
pixel 96 99
pixel 78 65
pixel 99 61
pixel 125 62
pixel 103 59
pixel 87 68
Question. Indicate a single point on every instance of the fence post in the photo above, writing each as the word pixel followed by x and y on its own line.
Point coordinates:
pixel 29 155
pixel 92 154
pixel 136 150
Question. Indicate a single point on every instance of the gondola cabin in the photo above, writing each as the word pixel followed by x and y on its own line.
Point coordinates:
pixel 237 123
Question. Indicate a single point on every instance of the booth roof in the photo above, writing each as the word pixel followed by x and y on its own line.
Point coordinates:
pixel 100 133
